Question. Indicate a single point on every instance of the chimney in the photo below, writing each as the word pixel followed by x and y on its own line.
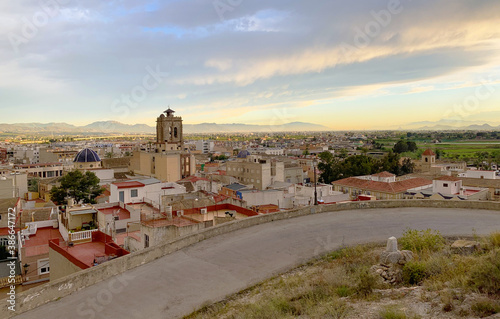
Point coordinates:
pixel 71 202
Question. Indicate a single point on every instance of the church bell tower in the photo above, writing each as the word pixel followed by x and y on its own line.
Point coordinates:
pixel 169 131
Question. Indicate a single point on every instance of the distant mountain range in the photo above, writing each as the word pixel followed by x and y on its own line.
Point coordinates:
pixel 486 121
pixel 113 127
pixel 473 127
pixel 445 125
pixel 117 127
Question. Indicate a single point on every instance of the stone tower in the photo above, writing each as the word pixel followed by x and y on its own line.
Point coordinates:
pixel 169 131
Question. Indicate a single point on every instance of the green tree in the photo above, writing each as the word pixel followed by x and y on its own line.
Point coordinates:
pixel 33 184
pixel 222 157
pixel 407 167
pixel 81 187
pixel 343 153
pixel 358 165
pixel 400 147
pixel 439 153
pixel 109 155
pixel 390 163
pixel 480 158
pixel 412 146
pixel 329 167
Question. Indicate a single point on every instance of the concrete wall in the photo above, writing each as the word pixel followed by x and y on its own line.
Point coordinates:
pixel 446 187
pixel 481 195
pixel 263 197
pixel 60 266
pixel 13 185
pixel 159 235
pixel 131 244
pixel 479 174
pixel 64 286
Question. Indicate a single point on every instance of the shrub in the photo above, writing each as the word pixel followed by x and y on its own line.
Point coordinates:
pixel 437 265
pixel 485 308
pixel 494 239
pixel 423 240
pixel 366 282
pixel 343 291
pixel 414 272
pixel 336 309
pixel 392 312
pixel 281 305
pixel 485 274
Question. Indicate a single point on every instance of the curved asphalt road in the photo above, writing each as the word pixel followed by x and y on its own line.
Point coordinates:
pixel 181 282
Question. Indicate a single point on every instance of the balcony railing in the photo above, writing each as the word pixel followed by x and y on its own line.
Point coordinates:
pixel 81 235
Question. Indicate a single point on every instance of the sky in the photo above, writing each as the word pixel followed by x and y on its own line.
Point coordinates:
pixel 366 64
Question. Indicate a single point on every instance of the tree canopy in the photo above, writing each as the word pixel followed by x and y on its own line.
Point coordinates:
pixel 81 187
pixel 404 146
pixel 334 167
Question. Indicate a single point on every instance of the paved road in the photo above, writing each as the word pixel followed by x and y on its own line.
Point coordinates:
pixel 179 283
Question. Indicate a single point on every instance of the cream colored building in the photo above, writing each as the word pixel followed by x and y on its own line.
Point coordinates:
pixel 256 170
pixel 167 166
pixel 166 160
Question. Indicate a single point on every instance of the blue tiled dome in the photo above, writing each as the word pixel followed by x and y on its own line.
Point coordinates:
pixel 243 154
pixel 86 156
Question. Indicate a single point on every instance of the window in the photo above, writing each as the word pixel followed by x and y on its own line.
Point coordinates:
pixel 445 185
pixel 175 131
pixel 133 193
pixel 43 266
pixel 4 241
pixel 146 241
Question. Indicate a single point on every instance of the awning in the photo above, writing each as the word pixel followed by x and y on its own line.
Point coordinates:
pixel 82 212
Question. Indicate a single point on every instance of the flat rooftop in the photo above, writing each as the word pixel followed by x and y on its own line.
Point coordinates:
pixel 87 252
pixel 38 244
pixel 84 255
pixel 175 221
pixel 117 210
pixel 120 238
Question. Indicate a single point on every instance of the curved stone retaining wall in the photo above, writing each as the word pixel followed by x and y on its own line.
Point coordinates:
pixel 64 286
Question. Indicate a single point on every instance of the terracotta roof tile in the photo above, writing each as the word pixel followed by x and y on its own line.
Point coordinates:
pixel 384 174
pixel 128 184
pixel 428 152
pixel 394 187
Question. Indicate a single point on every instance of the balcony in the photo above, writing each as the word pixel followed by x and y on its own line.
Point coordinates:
pixel 81 236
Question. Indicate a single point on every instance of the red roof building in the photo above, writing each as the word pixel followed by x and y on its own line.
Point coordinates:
pixel 428 152
pixel 128 184
pixel 67 258
pixel 371 185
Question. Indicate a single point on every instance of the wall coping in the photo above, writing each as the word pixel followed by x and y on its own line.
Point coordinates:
pixel 64 286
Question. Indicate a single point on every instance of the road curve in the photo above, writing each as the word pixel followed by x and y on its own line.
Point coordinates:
pixel 177 284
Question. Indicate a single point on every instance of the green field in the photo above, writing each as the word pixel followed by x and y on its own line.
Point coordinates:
pixel 463 149
pixel 451 149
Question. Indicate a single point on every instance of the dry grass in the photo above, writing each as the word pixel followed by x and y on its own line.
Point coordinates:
pixel 333 286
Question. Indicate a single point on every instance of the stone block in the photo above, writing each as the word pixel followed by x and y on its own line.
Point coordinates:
pixel 392 244
pixel 465 247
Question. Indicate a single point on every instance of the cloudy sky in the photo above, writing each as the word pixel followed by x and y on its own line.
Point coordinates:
pixel 343 64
